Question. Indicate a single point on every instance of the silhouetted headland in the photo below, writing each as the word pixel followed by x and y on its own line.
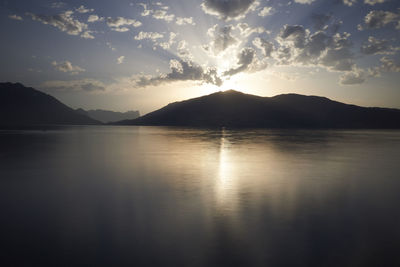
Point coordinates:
pixel 23 106
pixel 107 116
pixel 238 110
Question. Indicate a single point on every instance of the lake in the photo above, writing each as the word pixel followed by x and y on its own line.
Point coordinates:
pixel 159 196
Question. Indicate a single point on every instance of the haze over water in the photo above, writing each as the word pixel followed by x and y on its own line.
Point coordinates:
pixel 159 196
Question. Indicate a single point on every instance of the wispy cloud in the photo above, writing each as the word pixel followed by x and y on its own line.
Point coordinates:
pixel 94 18
pixel 15 17
pixel 65 22
pixel 120 59
pixel 86 85
pixel 185 21
pixel 120 24
pixel 82 9
pixel 67 67
pixel 148 35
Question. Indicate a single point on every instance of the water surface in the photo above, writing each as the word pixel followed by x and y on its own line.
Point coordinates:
pixel 158 196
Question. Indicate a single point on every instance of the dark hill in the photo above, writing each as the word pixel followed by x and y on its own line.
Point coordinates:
pixel 107 116
pixel 236 109
pixel 20 105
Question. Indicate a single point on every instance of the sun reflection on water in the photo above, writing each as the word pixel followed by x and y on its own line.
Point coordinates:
pixel 225 181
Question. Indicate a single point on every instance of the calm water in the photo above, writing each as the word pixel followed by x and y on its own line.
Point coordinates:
pixel 149 196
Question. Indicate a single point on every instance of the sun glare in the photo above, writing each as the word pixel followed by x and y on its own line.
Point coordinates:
pixel 229 84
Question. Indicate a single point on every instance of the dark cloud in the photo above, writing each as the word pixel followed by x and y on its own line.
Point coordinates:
pixel 90 87
pixel 64 22
pixel 389 65
pixel 338 55
pixel 375 46
pixel 293 33
pixel 320 21
pixel 222 37
pixel 298 46
pixel 265 46
pixel 86 85
pixel 245 58
pixel 182 70
pixel 228 9
pixel 376 19
pixel 352 78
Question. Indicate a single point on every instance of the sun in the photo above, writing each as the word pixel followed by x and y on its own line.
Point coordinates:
pixel 228 84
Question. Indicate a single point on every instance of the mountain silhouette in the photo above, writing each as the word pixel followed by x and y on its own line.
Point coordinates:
pixel 235 109
pixel 20 105
pixel 107 116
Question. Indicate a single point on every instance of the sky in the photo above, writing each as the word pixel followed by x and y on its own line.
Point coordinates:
pixel 141 55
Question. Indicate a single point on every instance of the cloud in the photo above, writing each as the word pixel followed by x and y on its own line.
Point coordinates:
pixel 376 19
pixel 120 59
pixel 86 85
pixel 246 30
pixel 320 21
pixel 349 2
pixel 87 35
pixel 94 18
pixel 67 67
pixel 338 56
pixel 266 11
pixel 354 77
pixel 15 17
pixel 294 34
pixel 64 22
pixel 245 58
pixel 148 35
pixel 83 9
pixel 298 46
pixel 146 12
pixel 119 24
pixel 167 45
pixel 389 65
pixel 109 45
pixel 368 2
pixel 374 2
pixel 265 46
pixel 222 37
pixel 185 21
pixel 183 51
pixel 57 5
pixel 229 9
pixel 304 1
pixel 181 70
pixel 375 46
pixel 163 15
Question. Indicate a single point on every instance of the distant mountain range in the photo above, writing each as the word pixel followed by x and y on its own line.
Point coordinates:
pixel 22 106
pixel 107 116
pixel 236 109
